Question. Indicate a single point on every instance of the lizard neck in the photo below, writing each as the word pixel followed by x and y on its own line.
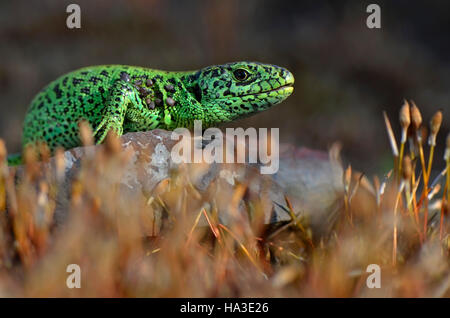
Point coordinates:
pixel 187 98
pixel 208 112
pixel 176 100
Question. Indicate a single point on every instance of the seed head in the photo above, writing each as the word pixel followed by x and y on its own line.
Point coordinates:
pixel 44 152
pixel 447 148
pixel 113 144
pixel 29 154
pixel 407 167
pixel 405 120
pixel 86 136
pixel 435 124
pixel 421 135
pixel 405 116
pixel 2 151
pixel 416 116
pixel 60 162
pixel 347 178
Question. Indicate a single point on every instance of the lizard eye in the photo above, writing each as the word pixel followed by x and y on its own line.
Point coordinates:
pixel 240 74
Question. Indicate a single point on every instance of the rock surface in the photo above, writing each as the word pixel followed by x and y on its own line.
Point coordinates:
pixel 311 180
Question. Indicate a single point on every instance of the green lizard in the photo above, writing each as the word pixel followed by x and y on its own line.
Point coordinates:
pixel 128 98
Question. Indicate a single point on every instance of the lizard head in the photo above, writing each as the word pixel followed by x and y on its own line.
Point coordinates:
pixel 239 89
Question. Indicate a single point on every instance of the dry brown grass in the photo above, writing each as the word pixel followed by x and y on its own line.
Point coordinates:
pixel 170 243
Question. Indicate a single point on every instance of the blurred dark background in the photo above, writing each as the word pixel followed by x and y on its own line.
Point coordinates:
pixel 346 74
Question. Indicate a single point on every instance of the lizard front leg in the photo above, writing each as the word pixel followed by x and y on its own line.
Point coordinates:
pixel 122 95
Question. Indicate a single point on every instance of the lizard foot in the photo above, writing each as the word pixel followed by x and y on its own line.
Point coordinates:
pixel 106 125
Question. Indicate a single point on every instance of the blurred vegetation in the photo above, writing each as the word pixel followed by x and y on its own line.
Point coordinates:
pixel 172 242
pixel 346 74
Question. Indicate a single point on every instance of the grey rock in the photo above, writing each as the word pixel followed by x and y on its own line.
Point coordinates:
pixel 310 179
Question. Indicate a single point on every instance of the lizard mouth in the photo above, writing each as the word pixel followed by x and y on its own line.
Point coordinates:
pixel 282 90
pixel 288 88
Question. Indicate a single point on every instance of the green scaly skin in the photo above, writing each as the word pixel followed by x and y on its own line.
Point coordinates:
pixel 128 99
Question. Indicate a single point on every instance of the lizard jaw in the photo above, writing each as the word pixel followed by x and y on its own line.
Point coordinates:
pixel 282 90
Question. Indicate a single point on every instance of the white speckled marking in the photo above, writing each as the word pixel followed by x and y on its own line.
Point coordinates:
pixel 229 176
pixel 160 161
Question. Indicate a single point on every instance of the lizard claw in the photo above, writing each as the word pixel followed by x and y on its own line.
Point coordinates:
pixel 105 126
